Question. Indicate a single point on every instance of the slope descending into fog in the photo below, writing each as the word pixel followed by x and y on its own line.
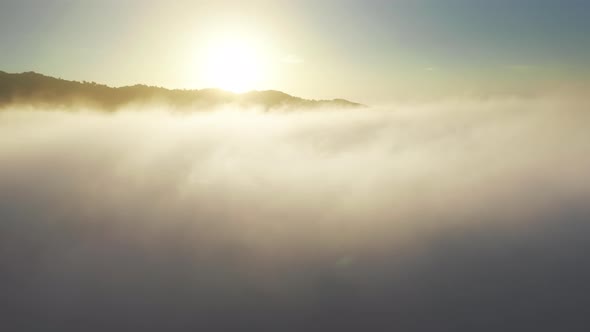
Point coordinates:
pixel 43 91
pixel 454 216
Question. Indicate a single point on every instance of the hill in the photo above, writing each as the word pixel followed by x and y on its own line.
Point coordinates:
pixel 35 89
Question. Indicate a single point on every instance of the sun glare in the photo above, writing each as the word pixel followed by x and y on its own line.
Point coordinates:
pixel 234 65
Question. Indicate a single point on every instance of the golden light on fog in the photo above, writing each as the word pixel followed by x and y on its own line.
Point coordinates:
pixel 235 65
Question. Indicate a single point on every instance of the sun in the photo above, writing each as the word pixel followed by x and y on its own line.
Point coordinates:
pixel 234 65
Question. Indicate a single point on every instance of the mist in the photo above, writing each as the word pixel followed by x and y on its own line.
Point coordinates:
pixel 462 215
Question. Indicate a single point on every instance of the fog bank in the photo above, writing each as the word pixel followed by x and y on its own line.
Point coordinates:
pixel 464 215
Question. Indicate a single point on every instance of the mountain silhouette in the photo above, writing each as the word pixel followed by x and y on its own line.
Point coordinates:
pixel 35 89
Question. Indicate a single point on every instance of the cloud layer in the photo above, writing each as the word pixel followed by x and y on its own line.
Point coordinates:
pixel 457 215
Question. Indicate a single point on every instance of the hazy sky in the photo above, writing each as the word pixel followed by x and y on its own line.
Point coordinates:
pixel 362 50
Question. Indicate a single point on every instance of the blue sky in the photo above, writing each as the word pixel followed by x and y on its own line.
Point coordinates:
pixel 368 50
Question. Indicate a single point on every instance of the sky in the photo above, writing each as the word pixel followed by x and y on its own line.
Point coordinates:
pixel 367 51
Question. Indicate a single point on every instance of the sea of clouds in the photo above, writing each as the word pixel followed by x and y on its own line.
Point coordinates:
pixel 459 215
